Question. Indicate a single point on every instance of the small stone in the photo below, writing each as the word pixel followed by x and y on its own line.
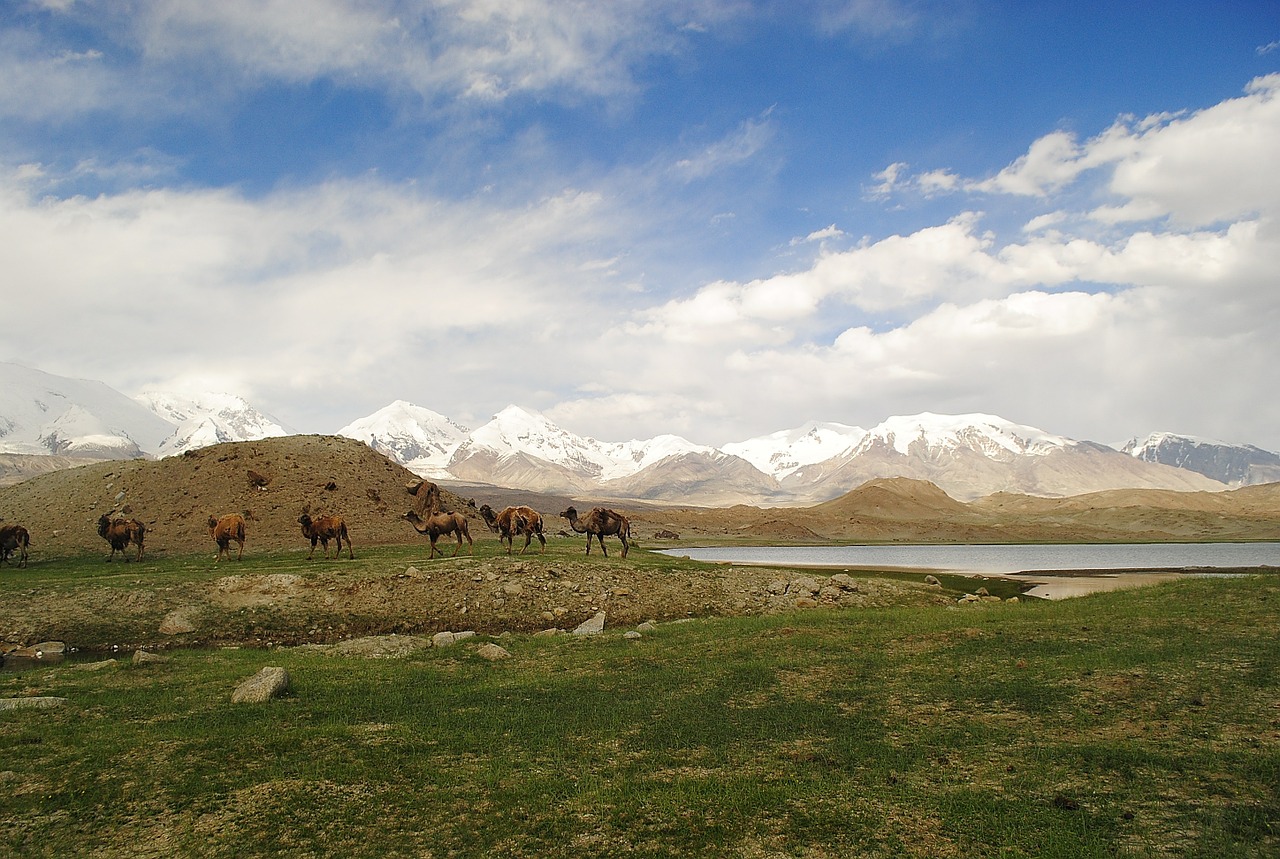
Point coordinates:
pixel 143 657
pixel 632 635
pixel 177 622
pixel 492 652
pixel 270 682
pixel 594 626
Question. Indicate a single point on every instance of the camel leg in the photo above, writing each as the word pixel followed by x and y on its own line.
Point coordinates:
pixel 625 544
pixel 600 540
pixel 240 555
pixel 528 538
pixel 543 541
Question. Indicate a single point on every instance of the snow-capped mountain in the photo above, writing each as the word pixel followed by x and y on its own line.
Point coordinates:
pixel 420 439
pixel 1232 464
pixel 43 414
pixel 521 445
pixel 208 418
pixel 966 455
pixel 969 456
pixel 785 451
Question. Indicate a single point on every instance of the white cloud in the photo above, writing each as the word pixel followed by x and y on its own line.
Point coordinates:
pixel 1198 168
pixel 732 150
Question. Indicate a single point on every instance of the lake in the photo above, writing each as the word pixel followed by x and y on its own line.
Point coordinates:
pixel 1055 570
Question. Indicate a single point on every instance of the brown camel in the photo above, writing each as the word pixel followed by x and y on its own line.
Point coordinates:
pixel 324 529
pixel 600 523
pixel 427 495
pixel 14 537
pixel 512 521
pixel 442 523
pixel 224 530
pixel 120 532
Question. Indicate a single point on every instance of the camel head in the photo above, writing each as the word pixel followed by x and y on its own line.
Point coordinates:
pixel 569 514
pixel 304 520
pixel 213 523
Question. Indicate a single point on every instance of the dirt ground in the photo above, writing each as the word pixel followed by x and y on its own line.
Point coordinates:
pixel 329 602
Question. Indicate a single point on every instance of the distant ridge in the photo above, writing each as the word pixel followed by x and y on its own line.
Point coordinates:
pixel 968 456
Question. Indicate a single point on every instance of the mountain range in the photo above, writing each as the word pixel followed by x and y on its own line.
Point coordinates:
pixel 968 456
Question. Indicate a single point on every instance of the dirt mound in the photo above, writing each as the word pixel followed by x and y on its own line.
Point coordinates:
pixel 270 482
pixel 895 498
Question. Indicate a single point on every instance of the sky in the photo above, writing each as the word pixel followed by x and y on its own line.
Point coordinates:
pixel 712 218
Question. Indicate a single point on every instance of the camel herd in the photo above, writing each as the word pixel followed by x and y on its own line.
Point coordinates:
pixel 427 518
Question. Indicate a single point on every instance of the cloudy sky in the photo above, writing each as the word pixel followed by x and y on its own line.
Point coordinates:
pixel 715 218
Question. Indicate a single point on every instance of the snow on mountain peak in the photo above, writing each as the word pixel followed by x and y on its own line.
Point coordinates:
pixel 786 451
pixel 418 437
pixel 986 434
pixel 208 418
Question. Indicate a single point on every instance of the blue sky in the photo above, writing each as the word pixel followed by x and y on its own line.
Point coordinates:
pixel 716 219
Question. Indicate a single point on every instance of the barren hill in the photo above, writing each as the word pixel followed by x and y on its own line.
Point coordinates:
pixel 175 496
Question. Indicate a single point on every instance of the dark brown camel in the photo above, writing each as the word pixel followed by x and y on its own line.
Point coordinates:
pixel 600 523
pixel 427 495
pixel 512 521
pixel 324 529
pixel 442 523
pixel 224 530
pixel 14 537
pixel 120 532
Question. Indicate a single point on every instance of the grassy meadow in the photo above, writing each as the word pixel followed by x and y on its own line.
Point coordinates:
pixel 1140 723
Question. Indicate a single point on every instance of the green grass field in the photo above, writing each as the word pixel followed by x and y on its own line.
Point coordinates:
pixel 1138 723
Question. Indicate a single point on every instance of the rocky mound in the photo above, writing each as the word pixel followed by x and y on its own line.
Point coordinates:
pixel 270 482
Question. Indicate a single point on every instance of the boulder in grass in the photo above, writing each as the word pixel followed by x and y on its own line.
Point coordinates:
pixel 270 682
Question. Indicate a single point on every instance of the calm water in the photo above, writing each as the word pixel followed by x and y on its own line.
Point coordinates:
pixel 1001 558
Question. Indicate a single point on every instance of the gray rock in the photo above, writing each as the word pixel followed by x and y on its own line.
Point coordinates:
pixel 445 639
pixel 492 652
pixel 178 621
pixel 632 635
pixel 36 651
pixel 142 657
pixel 594 626
pixel 270 682
pixel 932 580
pixel 31 703
pixel 647 626
pixel 803 586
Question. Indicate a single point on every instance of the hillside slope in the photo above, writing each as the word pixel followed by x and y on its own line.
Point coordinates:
pixel 175 496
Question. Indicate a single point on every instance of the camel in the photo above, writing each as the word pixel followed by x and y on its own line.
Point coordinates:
pixel 224 530
pixel 324 529
pixel 599 523
pixel 442 523
pixel 14 537
pixel 512 521
pixel 120 532
pixel 427 495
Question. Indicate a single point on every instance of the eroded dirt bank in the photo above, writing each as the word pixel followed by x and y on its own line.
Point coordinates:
pixel 487 595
